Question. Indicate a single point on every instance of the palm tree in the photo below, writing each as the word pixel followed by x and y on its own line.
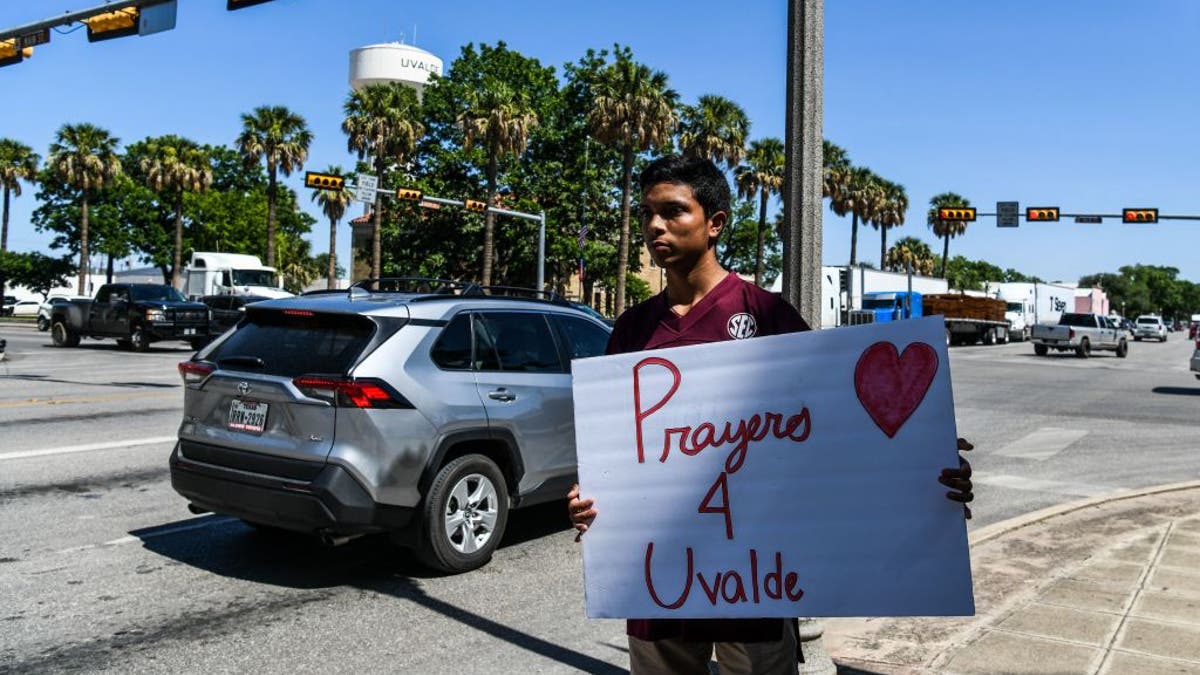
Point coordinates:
pixel 333 204
pixel 173 166
pixel 761 176
pixel 84 156
pixel 910 250
pixel 499 119
pixel 859 196
pixel 634 110
pixel 18 162
pixel 891 214
pixel 835 173
pixel 715 128
pixel 382 122
pixel 946 228
pixel 282 138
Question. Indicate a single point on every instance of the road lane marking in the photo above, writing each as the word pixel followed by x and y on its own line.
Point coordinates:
pixel 1029 484
pixel 1043 443
pixel 88 447
pixel 132 539
pixel 102 398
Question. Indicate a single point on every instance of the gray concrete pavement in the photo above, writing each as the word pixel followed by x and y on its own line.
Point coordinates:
pixel 1103 586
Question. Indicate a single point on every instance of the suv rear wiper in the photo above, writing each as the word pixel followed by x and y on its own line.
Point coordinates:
pixel 253 361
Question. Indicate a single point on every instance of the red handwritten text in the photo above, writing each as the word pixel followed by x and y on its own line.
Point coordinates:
pixel 729 586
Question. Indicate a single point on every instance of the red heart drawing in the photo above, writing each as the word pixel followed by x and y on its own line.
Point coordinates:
pixel 891 386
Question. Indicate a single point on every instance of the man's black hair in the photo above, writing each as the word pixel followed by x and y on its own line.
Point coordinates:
pixel 707 182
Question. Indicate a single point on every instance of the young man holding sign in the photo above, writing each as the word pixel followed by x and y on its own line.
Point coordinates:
pixel 684 207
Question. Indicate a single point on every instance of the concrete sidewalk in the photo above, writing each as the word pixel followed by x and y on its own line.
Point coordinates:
pixel 1102 586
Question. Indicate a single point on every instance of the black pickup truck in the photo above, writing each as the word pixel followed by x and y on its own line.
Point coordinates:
pixel 134 314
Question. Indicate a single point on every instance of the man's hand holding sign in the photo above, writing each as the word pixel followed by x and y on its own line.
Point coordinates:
pixel 785 476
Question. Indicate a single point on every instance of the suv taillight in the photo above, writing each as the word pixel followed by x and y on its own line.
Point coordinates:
pixel 344 393
pixel 194 372
pixel 1071 334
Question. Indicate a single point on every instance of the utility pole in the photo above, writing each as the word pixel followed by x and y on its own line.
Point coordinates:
pixel 803 174
pixel 802 214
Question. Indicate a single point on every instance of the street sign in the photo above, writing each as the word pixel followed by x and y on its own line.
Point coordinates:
pixel 38 37
pixel 1008 214
pixel 1092 220
pixel 366 189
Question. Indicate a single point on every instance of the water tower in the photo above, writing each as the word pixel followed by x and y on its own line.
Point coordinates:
pixel 392 62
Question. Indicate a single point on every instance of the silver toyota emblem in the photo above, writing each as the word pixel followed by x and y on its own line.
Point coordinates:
pixel 243 388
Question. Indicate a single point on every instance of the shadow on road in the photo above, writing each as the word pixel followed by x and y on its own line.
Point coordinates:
pixel 1177 391
pixel 227 547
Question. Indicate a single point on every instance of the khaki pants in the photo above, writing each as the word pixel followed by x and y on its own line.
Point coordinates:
pixel 677 657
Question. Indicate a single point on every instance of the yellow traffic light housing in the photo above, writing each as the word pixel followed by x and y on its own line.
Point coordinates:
pixel 408 194
pixel 10 53
pixel 1045 214
pixel 475 205
pixel 121 23
pixel 961 213
pixel 324 181
pixel 1139 215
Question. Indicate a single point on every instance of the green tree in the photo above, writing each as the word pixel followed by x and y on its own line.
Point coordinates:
pixel 715 128
pixel 18 162
pixel 634 111
pixel 970 275
pixel 760 177
pixel 835 171
pixel 281 137
pixel 172 167
pixel 500 119
pixel 946 229
pixel 737 249
pixel 383 123
pixel 333 204
pixel 910 250
pixel 84 157
pixel 36 271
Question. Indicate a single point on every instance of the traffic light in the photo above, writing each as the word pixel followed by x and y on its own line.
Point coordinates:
pixel 476 206
pixel 1139 215
pixel 10 53
pixel 962 213
pixel 324 181
pixel 242 4
pixel 408 194
pixel 121 23
pixel 1047 214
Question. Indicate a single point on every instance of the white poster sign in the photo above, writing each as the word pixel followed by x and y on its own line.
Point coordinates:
pixel 792 475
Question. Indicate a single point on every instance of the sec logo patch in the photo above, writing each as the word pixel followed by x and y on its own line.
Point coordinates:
pixel 742 326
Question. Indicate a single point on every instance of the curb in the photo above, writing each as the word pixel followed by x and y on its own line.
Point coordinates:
pixel 985 534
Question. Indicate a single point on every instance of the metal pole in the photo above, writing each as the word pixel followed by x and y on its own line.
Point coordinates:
pixel 541 272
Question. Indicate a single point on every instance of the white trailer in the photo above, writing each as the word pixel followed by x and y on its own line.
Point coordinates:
pixel 1029 303
pixel 230 274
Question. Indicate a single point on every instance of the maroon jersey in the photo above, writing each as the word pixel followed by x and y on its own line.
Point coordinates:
pixel 733 310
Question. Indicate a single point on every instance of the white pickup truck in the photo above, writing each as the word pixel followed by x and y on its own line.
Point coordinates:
pixel 1080 333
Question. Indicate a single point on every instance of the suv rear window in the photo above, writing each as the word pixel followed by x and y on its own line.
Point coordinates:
pixel 1148 319
pixel 294 344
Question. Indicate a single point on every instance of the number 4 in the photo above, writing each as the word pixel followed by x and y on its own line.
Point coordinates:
pixel 706 505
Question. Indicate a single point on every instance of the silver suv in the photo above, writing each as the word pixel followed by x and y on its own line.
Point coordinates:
pixel 1150 326
pixel 422 408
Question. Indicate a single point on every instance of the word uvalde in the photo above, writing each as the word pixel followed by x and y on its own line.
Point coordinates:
pixel 729 586
pixel 695 439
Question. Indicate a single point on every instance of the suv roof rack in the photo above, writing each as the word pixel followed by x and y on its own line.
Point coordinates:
pixel 433 289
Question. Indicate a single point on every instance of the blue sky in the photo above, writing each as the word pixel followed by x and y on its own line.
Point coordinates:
pixel 1089 105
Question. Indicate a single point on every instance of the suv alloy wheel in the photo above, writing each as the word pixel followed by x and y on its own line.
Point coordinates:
pixel 464 515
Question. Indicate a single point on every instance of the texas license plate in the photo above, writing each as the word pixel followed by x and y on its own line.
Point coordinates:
pixel 248 416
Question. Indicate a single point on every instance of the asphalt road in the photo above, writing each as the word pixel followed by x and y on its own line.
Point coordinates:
pixel 102 566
